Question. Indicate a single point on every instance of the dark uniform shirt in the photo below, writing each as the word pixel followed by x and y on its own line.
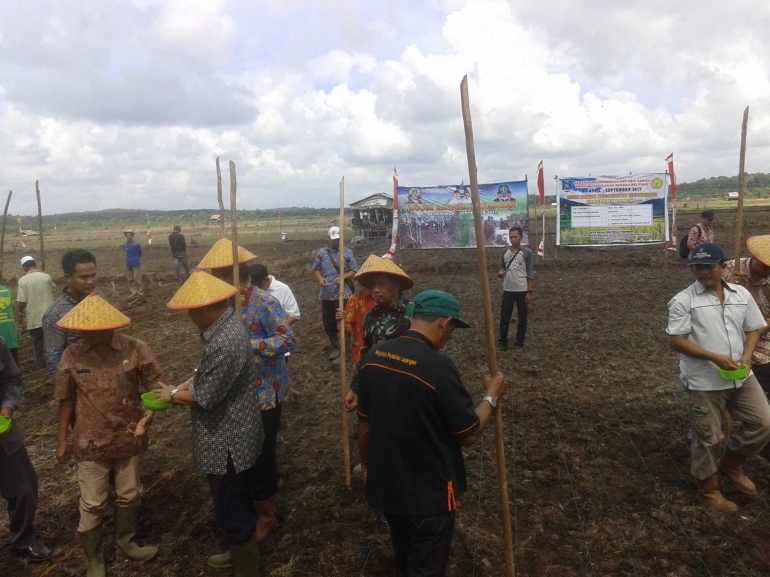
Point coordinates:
pixel 380 324
pixel 418 410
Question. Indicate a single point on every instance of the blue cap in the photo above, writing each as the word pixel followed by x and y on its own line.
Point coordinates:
pixel 707 254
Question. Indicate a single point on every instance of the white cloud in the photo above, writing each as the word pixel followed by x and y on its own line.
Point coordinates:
pixel 128 104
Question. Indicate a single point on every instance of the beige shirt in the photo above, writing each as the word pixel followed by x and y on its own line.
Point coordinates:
pixel 36 289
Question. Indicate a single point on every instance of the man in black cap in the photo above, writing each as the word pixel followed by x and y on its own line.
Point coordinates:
pixel 414 418
pixel 178 246
pixel 715 326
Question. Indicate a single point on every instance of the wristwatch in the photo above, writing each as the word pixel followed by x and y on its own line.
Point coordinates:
pixel 492 401
pixel 173 392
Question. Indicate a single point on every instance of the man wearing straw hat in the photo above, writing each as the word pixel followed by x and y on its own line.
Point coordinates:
pixel 387 319
pixel 326 269
pixel 99 383
pixel 225 414
pixel 414 417
pixel 715 326
pixel 271 338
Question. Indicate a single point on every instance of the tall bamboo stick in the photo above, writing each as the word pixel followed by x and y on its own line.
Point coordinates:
pixel 221 203
pixel 741 191
pixel 343 384
pixel 2 235
pixel 234 224
pixel 502 477
pixel 40 226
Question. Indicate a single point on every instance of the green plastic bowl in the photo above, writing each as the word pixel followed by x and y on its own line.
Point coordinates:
pixel 737 374
pixel 152 404
pixel 5 424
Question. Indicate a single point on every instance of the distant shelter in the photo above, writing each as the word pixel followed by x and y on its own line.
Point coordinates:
pixel 373 215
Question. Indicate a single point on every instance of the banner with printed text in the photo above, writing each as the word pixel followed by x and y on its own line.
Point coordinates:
pixel 610 210
pixel 442 216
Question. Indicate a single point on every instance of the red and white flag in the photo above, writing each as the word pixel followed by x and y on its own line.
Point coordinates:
pixel 541 249
pixel 672 177
pixel 541 183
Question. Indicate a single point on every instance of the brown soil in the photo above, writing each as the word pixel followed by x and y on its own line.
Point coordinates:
pixel 595 435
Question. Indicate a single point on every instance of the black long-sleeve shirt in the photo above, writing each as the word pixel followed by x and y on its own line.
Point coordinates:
pixel 177 243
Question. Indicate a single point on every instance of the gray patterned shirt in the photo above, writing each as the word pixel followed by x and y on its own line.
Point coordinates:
pixel 227 418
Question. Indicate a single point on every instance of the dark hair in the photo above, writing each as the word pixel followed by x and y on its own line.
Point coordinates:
pixel 28 264
pixel 257 273
pixel 177 228
pixel 243 271
pixel 517 229
pixel 707 214
pixel 73 258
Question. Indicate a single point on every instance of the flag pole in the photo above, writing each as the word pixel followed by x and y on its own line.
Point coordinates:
pixel 343 384
pixel 234 224
pixel 741 192
pixel 502 479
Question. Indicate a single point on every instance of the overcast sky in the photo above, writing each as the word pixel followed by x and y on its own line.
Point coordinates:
pixel 127 103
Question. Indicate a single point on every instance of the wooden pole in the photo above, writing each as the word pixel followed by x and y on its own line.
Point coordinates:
pixel 40 226
pixel 741 191
pixel 234 223
pixel 502 479
pixel 343 383
pixel 221 204
pixel 2 235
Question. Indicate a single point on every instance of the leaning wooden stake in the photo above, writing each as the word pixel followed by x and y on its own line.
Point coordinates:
pixel 502 479
pixel 343 384
pixel 40 226
pixel 738 240
pixel 234 223
pixel 2 235
pixel 221 204
pixel 741 190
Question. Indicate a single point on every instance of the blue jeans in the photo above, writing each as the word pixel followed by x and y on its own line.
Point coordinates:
pixel 181 261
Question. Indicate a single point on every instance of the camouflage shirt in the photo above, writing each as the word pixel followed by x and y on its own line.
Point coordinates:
pixel 382 324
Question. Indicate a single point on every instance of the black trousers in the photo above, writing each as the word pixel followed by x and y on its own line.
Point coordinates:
pixel 329 313
pixel 38 347
pixel 421 544
pixel 762 372
pixel 266 475
pixel 506 311
pixel 234 503
pixel 18 486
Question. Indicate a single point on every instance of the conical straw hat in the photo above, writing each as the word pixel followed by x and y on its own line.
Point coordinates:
pixel 221 255
pixel 759 247
pixel 199 290
pixel 93 313
pixel 376 265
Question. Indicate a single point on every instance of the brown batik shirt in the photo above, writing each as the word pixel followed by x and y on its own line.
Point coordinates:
pixel 107 392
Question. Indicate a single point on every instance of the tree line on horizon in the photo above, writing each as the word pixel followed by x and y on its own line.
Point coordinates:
pixel 757 186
